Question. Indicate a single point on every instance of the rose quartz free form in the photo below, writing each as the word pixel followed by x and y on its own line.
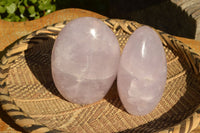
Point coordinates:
pixel 85 60
pixel 142 72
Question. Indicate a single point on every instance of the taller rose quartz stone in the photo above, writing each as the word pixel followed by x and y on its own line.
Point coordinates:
pixel 85 60
pixel 142 72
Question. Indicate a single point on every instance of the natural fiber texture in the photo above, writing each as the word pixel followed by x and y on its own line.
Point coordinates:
pixel 29 96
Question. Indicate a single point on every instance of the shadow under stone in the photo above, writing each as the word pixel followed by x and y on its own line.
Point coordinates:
pixel 38 58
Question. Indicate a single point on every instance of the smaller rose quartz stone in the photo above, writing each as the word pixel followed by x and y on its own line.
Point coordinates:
pixel 142 72
pixel 85 60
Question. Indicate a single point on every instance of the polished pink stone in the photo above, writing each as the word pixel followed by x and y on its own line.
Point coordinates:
pixel 142 72
pixel 85 60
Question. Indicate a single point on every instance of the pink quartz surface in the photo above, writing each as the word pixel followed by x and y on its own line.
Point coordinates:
pixel 85 60
pixel 142 72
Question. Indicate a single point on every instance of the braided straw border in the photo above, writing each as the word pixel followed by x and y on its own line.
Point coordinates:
pixel 8 55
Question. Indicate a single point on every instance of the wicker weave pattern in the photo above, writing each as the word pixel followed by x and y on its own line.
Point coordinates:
pixel 29 96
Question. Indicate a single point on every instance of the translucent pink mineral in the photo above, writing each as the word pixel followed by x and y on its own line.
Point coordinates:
pixel 85 60
pixel 142 72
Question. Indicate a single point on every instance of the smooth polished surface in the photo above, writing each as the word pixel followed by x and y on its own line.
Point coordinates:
pixel 142 72
pixel 85 60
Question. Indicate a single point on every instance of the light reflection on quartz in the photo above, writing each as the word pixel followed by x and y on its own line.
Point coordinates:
pixel 93 33
pixel 143 49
